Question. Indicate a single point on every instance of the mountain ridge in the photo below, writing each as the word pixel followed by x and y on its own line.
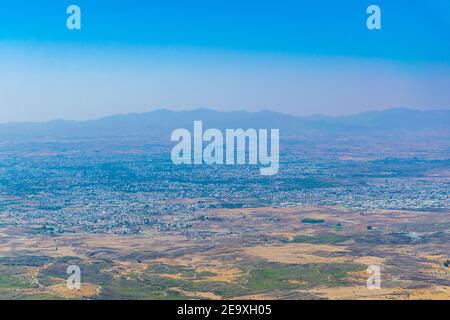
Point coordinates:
pixel 164 120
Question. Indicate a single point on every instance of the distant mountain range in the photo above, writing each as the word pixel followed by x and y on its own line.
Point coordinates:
pixel 162 122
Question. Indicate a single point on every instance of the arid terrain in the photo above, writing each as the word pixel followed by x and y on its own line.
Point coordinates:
pixel 352 196
pixel 304 252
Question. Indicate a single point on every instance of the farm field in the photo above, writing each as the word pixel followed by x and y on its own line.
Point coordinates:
pixel 259 253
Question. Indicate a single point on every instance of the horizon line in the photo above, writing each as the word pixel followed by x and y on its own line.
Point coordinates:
pixel 226 111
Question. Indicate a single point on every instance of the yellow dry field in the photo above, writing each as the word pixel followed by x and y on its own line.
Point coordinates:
pixel 87 290
pixel 229 275
pixel 201 264
pixel 199 294
pixel 126 268
pixel 297 253
pixel 363 293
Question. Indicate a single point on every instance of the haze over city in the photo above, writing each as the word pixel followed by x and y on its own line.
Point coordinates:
pixel 292 57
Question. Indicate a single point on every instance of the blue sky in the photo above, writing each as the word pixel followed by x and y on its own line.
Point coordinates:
pixel 283 55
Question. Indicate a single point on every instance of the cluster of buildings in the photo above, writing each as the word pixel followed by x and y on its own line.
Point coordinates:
pixel 126 192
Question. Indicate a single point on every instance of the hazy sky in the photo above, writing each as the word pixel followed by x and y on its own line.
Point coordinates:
pixel 290 56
